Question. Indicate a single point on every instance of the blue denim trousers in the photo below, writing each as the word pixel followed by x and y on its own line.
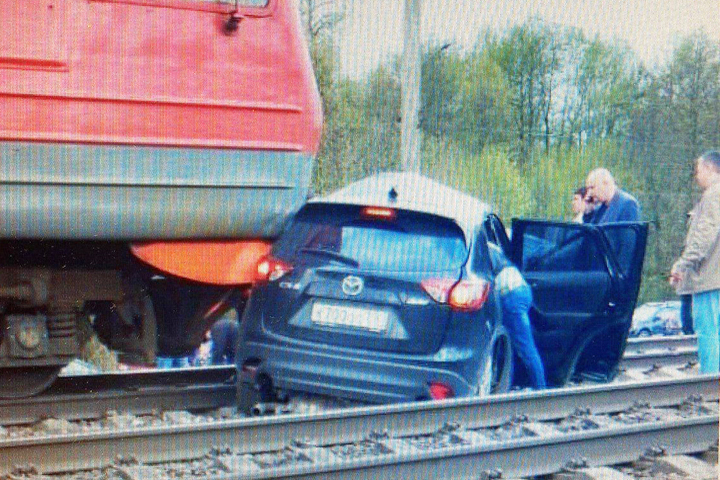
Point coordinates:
pixel 515 306
pixel 706 319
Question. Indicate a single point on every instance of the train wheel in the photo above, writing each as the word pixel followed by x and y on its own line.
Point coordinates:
pixel 26 381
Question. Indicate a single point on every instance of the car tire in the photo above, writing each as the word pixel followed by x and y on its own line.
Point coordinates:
pixel 644 333
pixel 496 367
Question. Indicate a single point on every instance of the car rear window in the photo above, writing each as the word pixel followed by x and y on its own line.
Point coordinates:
pixel 410 242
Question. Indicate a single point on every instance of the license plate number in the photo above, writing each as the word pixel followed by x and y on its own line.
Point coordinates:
pixel 353 317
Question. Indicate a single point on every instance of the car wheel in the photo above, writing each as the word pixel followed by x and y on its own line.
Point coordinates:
pixel 644 333
pixel 495 372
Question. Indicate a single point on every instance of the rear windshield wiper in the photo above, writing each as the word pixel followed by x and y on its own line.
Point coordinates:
pixel 332 255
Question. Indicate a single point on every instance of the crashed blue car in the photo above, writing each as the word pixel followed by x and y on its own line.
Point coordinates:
pixel 382 292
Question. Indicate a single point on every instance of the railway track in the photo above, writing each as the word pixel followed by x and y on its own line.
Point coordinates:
pixel 92 396
pixel 392 437
pixel 656 359
pixel 639 344
pixel 654 352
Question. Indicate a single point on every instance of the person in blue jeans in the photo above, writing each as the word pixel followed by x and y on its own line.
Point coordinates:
pixel 516 299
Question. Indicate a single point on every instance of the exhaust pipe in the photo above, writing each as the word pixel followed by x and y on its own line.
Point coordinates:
pixel 260 409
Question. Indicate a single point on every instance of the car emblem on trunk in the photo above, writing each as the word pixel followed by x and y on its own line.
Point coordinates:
pixel 352 285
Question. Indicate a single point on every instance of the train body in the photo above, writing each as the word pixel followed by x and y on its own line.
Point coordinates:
pixel 149 152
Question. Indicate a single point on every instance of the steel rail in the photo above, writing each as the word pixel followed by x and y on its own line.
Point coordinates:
pixel 651 359
pixel 143 378
pixel 661 342
pixel 164 444
pixel 550 453
pixel 92 396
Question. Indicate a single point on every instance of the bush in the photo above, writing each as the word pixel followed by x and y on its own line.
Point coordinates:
pixel 490 176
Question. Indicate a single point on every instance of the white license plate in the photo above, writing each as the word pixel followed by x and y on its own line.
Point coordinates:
pixel 354 317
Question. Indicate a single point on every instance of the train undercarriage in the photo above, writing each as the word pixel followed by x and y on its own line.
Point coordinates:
pixel 52 291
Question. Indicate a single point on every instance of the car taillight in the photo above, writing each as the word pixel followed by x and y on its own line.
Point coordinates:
pixel 469 296
pixel 270 269
pixel 464 296
pixel 438 288
pixel 440 391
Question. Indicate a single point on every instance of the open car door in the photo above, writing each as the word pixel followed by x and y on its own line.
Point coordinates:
pixel 585 281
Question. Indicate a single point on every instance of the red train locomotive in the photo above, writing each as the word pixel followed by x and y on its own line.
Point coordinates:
pixel 149 152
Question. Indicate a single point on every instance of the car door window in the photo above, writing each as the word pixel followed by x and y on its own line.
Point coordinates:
pixel 623 240
pixel 550 248
pixel 627 242
pixel 566 267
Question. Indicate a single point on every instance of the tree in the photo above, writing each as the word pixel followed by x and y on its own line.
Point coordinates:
pixel 692 87
pixel 600 89
pixel 321 17
pixel 441 74
pixel 674 120
pixel 529 55
pixel 484 103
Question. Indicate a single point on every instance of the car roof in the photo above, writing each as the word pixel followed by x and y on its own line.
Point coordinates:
pixel 412 192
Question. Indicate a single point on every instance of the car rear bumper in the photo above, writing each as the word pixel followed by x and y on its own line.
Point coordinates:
pixel 336 372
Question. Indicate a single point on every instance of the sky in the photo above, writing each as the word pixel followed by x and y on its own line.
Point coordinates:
pixel 373 29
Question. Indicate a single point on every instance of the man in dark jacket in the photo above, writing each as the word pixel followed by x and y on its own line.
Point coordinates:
pixel 616 205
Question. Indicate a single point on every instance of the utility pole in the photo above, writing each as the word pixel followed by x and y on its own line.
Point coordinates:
pixel 410 89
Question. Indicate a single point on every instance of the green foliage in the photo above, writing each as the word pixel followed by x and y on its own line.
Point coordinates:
pixel 466 99
pixel 361 133
pixel 554 176
pixel 490 176
pixel 691 85
pixel 677 118
pixel 529 56
pixel 442 75
pixel 485 104
pixel 522 117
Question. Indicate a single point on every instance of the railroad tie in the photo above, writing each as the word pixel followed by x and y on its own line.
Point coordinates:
pixel 688 467
pixel 592 473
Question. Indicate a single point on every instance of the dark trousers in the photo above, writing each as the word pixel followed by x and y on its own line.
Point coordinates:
pixel 515 306
pixel 686 314
pixel 224 334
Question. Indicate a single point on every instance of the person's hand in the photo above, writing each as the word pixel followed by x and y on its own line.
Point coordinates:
pixel 675 278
